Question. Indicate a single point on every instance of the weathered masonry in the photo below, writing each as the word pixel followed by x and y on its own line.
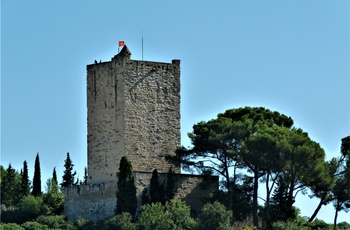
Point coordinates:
pixel 134 111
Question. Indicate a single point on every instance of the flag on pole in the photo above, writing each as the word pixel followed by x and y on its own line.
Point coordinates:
pixel 121 43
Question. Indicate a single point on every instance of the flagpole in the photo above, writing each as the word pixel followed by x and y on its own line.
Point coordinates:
pixel 142 45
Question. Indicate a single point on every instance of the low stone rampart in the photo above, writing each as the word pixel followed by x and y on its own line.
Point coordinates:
pixel 98 201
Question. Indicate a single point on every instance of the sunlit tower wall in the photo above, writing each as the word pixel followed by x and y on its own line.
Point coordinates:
pixel 134 111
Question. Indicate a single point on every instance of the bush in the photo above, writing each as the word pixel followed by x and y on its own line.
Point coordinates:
pixel 154 217
pixel 11 226
pixel 180 214
pixel 55 222
pixel 30 225
pixel 122 221
pixel 343 225
pixel 287 225
pixel 214 216
pixel 84 224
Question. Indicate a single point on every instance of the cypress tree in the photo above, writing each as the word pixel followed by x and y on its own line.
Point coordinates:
pixel 156 191
pixel 68 176
pixel 85 176
pixel 170 185
pixel 54 176
pixel 126 194
pixel 37 177
pixel 25 183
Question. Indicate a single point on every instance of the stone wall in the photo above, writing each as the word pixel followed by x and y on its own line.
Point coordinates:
pixel 152 112
pixel 92 202
pixel 98 201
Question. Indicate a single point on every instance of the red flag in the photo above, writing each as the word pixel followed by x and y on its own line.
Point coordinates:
pixel 121 43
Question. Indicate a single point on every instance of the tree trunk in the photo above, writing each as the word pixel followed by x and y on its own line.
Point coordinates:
pixel 335 219
pixel 255 200
pixel 267 205
pixel 229 189
pixel 318 208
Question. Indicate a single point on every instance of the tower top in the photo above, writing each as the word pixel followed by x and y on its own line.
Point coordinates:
pixel 125 52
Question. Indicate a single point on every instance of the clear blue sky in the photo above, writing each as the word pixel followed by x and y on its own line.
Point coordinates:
pixel 288 56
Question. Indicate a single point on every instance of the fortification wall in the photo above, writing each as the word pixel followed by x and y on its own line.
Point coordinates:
pixel 92 202
pixel 98 201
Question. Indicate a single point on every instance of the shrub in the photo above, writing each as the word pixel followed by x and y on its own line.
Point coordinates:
pixel 10 226
pixel 154 217
pixel 55 222
pixel 180 214
pixel 84 224
pixel 214 216
pixel 287 225
pixel 30 225
pixel 122 221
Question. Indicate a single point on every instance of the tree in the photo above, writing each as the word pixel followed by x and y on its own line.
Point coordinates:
pixel 156 190
pixel 126 194
pixel 174 215
pixel 68 175
pixel 122 221
pixel 85 176
pixel 37 177
pixel 10 187
pixel 234 140
pixel 323 190
pixel 170 185
pixel 304 166
pixel 214 216
pixel 54 176
pixel 25 183
pixel 341 190
pixel 155 217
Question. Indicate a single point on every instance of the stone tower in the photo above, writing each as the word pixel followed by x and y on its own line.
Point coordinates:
pixel 133 111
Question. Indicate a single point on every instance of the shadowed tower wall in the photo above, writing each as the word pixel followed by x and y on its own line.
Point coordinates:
pixel 133 110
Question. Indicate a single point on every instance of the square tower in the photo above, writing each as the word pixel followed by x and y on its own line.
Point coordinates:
pixel 134 111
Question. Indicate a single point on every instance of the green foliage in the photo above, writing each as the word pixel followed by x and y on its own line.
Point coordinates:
pixel 126 194
pixel 29 208
pixel 10 226
pixel 180 214
pixel 55 222
pixel 37 177
pixel 174 215
pixel 170 185
pixel 85 224
pixel 85 176
pixel 288 225
pixel 122 221
pixel 53 198
pixel 154 217
pixel 319 225
pixel 156 190
pixel 215 216
pixel 25 183
pixel 54 175
pixel 10 187
pixel 30 225
pixel 343 225
pixel 68 177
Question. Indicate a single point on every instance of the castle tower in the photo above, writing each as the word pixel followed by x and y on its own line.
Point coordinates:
pixel 134 111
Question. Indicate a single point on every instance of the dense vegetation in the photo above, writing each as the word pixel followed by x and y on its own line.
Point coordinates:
pixel 246 147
